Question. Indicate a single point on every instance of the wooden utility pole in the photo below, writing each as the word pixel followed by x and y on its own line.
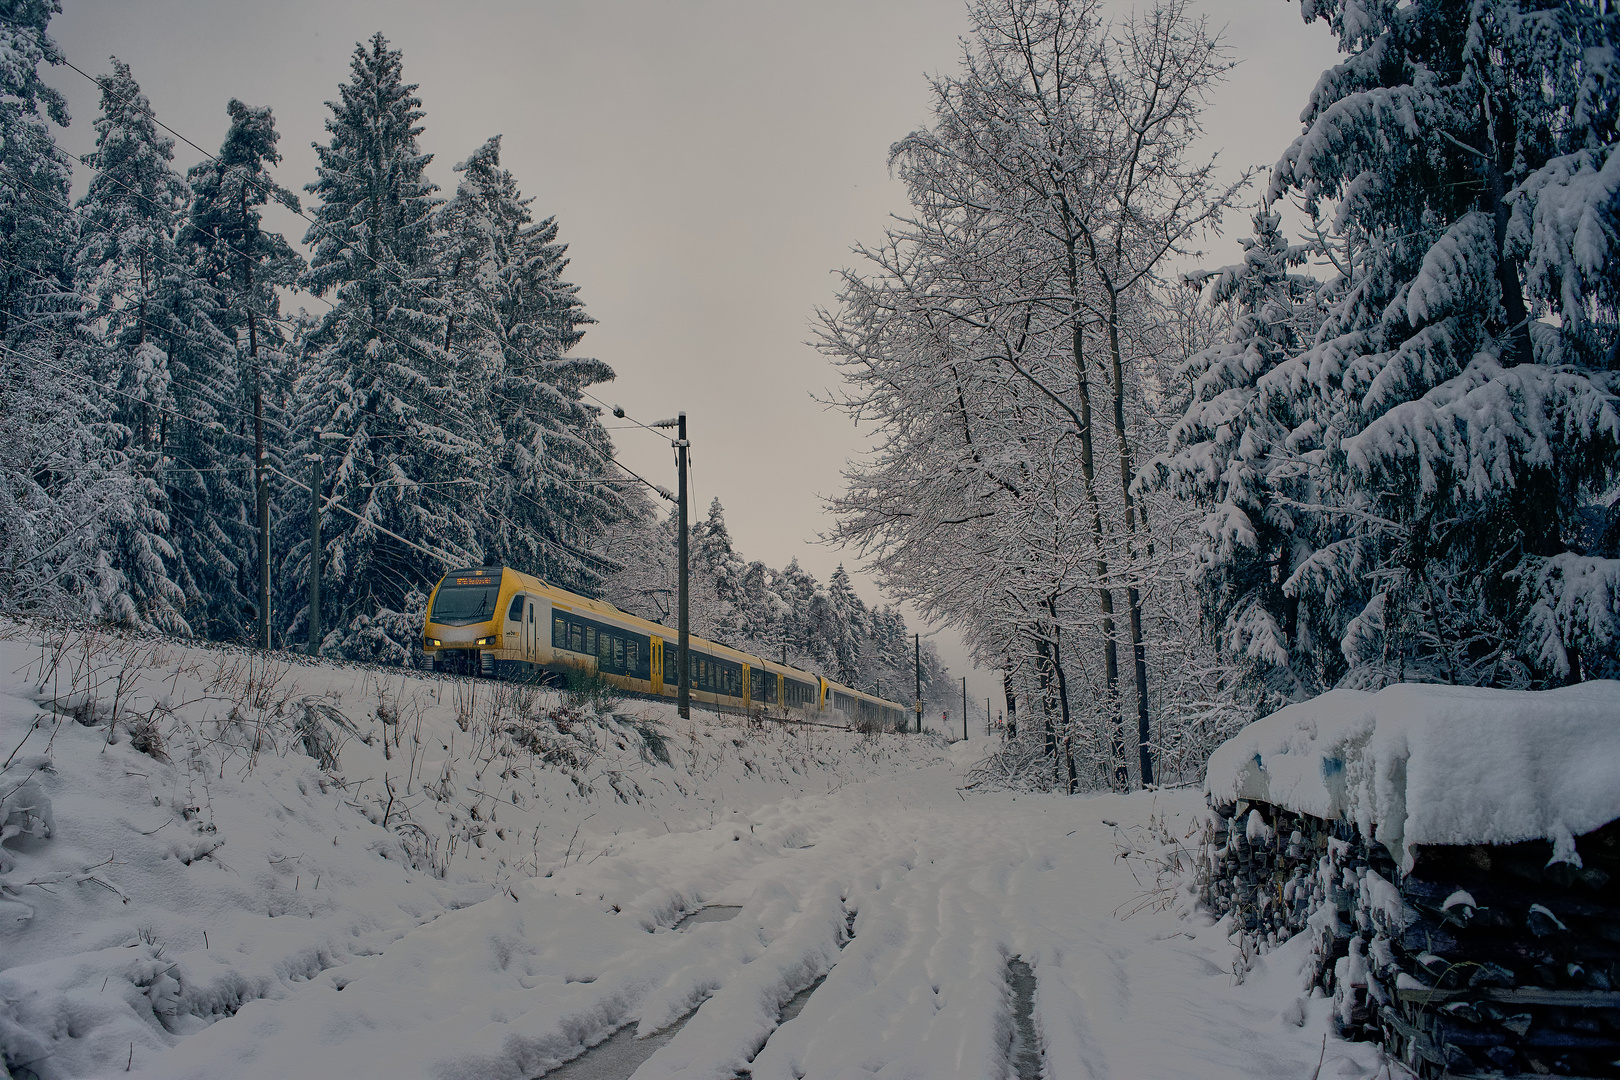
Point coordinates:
pixel 315 482
pixel 917 646
pixel 964 709
pixel 683 698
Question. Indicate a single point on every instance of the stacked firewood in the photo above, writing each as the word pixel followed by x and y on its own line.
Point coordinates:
pixel 1480 961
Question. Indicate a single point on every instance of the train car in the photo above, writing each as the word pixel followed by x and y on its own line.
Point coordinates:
pixel 499 622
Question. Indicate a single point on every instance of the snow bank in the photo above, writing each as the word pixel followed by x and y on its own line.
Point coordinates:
pixel 1420 764
pixel 188 832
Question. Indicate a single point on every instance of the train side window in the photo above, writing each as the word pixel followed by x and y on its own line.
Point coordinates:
pixel 618 651
pixel 632 657
pixel 559 632
pixel 576 637
pixel 590 639
pixel 516 611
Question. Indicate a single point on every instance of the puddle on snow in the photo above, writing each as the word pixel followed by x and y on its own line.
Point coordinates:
pixel 713 913
pixel 1026 1049
pixel 616 1057
pixel 795 1004
pixel 621 1053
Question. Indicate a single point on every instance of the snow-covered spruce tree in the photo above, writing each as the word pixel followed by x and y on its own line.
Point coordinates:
pixel 35 229
pixel 716 562
pixel 1226 456
pixel 59 486
pixel 513 320
pixel 147 310
pixel 401 431
pixel 796 590
pixel 215 517
pixel 850 623
pixel 1457 407
pixel 759 611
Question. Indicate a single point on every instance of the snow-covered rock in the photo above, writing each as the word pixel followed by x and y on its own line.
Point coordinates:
pixel 1422 764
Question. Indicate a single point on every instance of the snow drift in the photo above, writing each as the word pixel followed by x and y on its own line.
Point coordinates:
pixel 187 831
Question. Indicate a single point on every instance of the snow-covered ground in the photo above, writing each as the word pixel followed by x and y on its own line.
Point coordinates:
pixel 280 870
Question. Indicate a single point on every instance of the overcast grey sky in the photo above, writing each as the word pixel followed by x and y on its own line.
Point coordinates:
pixel 709 163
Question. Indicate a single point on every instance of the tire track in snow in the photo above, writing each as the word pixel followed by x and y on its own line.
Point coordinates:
pixel 1026 1047
pixel 948 893
pixel 924 983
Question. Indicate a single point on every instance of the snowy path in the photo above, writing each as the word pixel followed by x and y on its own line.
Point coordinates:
pixel 945 891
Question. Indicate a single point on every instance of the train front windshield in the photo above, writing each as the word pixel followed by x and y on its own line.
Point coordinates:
pixel 464 600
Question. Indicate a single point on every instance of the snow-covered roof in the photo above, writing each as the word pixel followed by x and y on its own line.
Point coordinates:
pixel 1420 764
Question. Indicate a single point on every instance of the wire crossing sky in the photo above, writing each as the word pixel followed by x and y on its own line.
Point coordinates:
pixel 709 164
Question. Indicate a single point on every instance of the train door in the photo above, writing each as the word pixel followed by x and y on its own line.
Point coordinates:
pixel 528 629
pixel 657 660
pixel 747 688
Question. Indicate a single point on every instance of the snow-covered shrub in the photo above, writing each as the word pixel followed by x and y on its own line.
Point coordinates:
pixel 25 809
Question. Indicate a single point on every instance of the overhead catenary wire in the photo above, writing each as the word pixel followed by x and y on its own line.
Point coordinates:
pixel 334 504
pixel 214 399
pixel 186 334
pixel 215 158
pixel 70 373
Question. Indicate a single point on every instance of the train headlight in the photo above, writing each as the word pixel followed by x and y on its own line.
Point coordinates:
pixel 434 642
pixel 485 640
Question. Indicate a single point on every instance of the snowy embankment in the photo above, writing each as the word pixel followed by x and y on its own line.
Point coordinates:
pixel 188 830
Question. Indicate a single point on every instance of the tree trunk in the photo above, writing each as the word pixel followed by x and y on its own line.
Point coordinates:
pixel 1132 595
pixel 1105 595
pixel 1012 700
pixel 1043 676
pixel 1063 695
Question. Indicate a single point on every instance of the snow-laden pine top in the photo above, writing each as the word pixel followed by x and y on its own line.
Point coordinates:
pixel 1420 764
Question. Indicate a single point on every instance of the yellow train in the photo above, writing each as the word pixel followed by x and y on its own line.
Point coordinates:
pixel 498 622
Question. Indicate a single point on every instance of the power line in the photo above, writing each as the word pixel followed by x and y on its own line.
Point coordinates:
pixel 47 365
pixel 67 207
pixel 441 556
pixel 215 158
pixel 424 407
pixel 191 387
